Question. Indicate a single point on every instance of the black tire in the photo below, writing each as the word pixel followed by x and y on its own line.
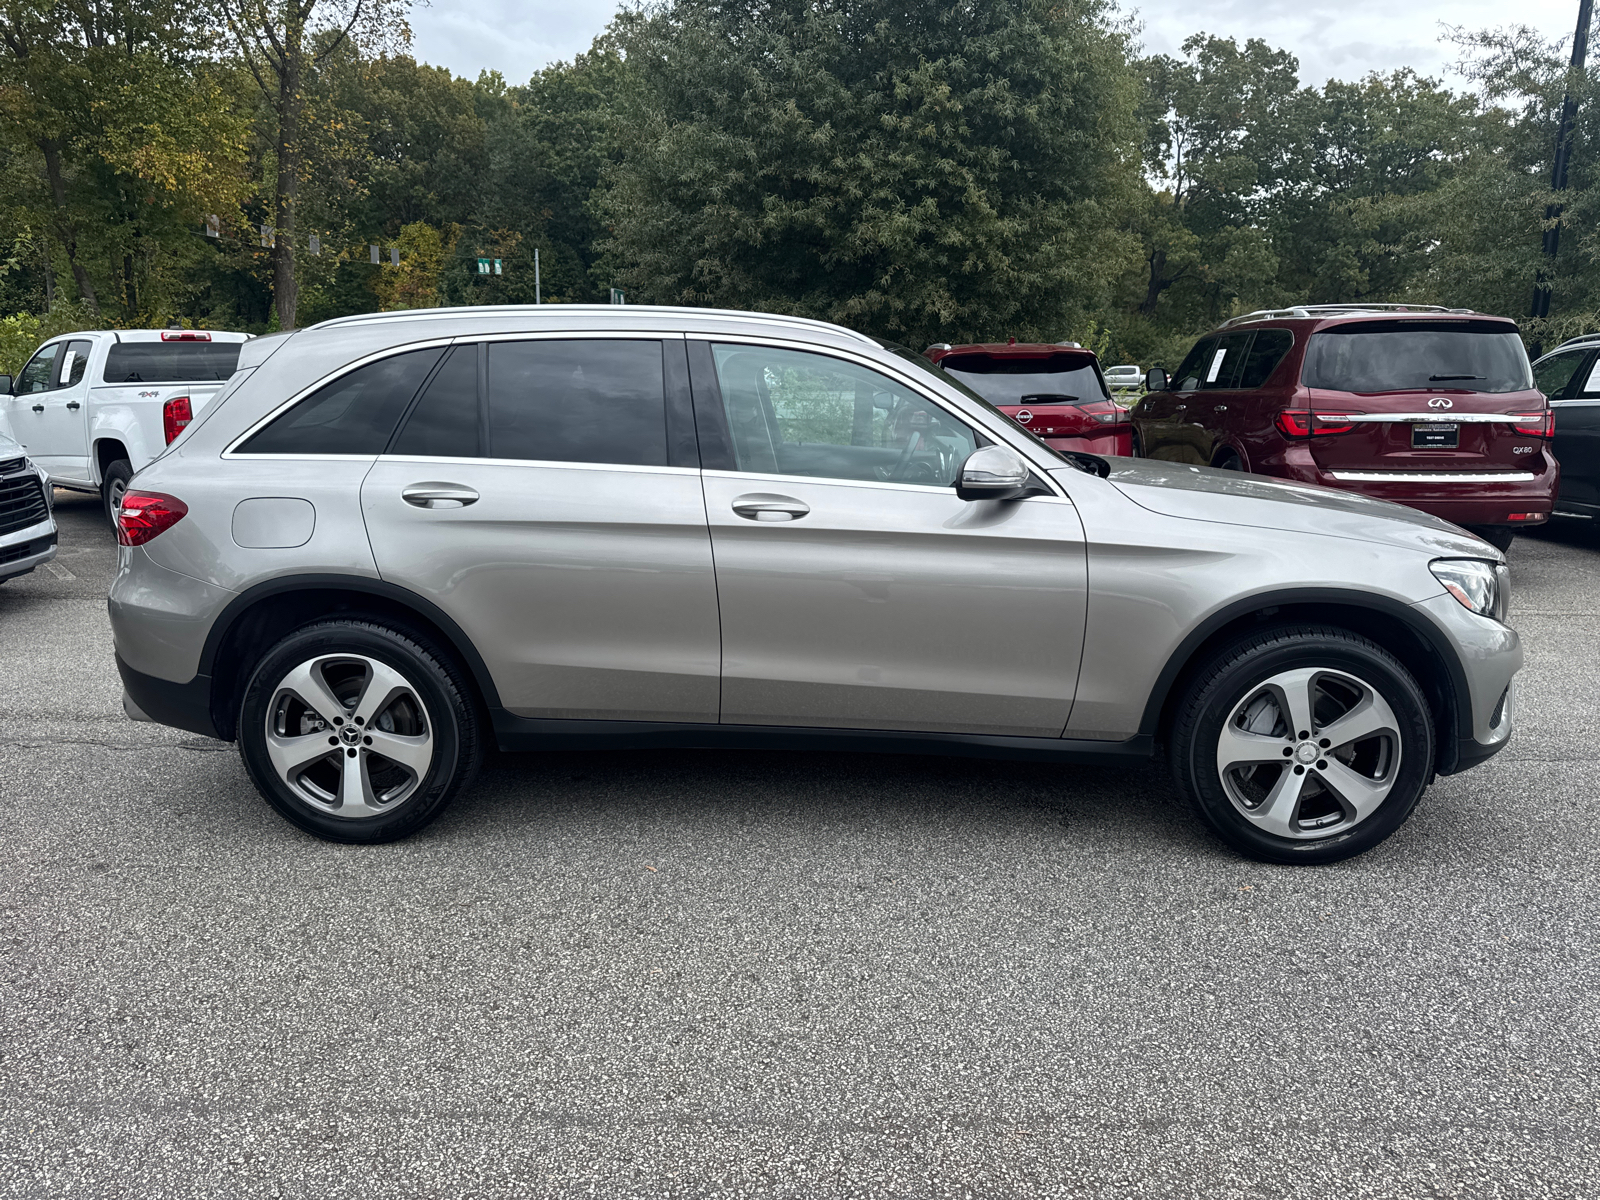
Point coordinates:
pixel 1498 536
pixel 1237 678
pixel 1228 461
pixel 112 484
pixel 1135 445
pixel 335 650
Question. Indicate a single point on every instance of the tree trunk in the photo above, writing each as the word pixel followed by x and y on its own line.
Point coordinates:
pixel 65 227
pixel 285 290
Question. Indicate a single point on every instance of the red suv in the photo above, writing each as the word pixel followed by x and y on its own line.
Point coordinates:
pixel 1426 406
pixel 1056 390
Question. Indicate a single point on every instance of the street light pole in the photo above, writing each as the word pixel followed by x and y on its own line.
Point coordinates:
pixel 1558 172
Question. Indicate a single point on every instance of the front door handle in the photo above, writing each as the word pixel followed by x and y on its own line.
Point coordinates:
pixel 765 506
pixel 74 405
pixel 38 408
pixel 439 495
pixel 1220 408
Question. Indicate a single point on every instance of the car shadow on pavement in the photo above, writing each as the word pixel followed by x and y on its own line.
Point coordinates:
pixel 816 792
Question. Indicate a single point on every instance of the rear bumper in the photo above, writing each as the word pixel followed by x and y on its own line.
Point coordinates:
pixel 1466 497
pixel 1116 441
pixel 181 705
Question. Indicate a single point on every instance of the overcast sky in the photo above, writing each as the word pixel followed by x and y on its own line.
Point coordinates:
pixel 1341 39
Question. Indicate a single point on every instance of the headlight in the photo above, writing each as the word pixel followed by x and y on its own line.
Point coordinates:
pixel 1480 586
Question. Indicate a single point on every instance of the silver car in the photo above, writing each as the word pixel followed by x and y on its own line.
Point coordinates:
pixel 395 539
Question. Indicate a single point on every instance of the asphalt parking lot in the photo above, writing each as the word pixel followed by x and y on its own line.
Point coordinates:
pixel 753 974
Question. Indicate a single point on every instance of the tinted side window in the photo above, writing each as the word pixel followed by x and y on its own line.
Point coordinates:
pixel 39 374
pixel 355 414
pixel 444 423
pixel 1264 355
pixel 1222 368
pixel 1187 377
pixel 1554 374
pixel 594 400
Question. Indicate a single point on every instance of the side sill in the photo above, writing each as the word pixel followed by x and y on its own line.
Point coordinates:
pixel 514 734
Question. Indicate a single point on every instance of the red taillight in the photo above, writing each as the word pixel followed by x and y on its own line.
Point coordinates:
pixel 146 515
pixel 185 335
pixel 1536 424
pixel 1526 516
pixel 1102 411
pixel 1295 423
pixel 175 416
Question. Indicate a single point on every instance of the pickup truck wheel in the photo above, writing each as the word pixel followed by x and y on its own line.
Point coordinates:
pixel 114 485
pixel 1303 744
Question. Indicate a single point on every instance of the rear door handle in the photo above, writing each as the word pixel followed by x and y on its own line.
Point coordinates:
pixel 439 495
pixel 765 506
pixel 74 405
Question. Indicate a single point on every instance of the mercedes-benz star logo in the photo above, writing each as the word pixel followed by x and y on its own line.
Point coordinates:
pixel 1441 402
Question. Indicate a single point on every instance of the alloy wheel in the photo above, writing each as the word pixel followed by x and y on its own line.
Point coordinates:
pixel 349 735
pixel 1309 753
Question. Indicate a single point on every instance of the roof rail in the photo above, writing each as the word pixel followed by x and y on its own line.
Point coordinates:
pixel 1582 337
pixel 433 314
pixel 1336 310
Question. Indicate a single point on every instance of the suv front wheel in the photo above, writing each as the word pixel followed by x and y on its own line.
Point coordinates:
pixel 1303 745
pixel 357 732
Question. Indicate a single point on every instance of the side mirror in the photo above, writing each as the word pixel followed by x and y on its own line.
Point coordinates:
pixel 1155 380
pixel 993 473
pixel 5 385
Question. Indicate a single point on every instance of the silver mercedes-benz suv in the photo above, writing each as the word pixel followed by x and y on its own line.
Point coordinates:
pixel 394 539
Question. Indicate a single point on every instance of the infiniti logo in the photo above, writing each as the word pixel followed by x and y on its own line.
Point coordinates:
pixel 1441 402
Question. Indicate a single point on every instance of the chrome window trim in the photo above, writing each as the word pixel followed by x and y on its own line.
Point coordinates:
pixel 987 422
pixel 929 488
pixel 1433 476
pixel 550 463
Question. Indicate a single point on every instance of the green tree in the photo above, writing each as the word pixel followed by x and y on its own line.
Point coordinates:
pixel 920 172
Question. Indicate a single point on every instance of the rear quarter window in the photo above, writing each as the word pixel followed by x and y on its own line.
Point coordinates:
pixel 355 414
pixel 1264 355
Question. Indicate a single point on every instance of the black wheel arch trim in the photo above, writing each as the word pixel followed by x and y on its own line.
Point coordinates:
pixel 460 643
pixel 1458 697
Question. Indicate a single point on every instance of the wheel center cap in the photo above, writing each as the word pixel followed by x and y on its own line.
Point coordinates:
pixel 350 735
pixel 1307 753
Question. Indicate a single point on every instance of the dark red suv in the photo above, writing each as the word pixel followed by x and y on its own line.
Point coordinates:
pixel 1431 407
pixel 1054 389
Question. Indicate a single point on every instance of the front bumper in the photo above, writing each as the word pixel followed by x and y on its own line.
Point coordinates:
pixel 1489 655
pixel 26 549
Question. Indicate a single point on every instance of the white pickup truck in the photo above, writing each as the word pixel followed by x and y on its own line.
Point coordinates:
pixel 92 408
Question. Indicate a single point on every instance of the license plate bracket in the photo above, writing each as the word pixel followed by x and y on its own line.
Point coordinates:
pixel 1437 436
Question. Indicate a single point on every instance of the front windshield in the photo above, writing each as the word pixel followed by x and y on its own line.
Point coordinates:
pixel 1052 379
pixel 944 377
pixel 1400 356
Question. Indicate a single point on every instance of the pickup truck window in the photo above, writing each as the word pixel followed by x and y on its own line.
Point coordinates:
pixel 73 360
pixel 39 374
pixel 171 362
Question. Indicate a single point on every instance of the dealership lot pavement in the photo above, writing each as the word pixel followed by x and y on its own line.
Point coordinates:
pixel 691 974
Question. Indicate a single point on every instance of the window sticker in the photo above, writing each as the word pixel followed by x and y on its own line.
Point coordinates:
pixel 1592 384
pixel 1216 366
pixel 64 377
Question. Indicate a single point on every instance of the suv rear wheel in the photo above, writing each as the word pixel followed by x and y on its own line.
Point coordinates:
pixel 357 732
pixel 1303 745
